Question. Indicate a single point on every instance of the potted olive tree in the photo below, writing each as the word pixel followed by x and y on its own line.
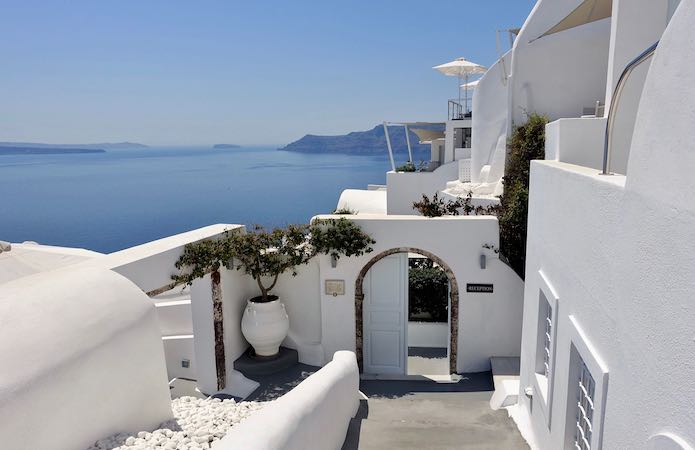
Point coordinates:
pixel 265 255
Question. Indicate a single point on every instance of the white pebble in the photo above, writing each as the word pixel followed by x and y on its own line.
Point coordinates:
pixel 197 423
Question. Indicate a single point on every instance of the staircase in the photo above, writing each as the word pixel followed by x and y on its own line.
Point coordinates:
pixel 505 377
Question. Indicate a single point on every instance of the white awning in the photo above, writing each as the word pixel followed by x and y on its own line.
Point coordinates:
pixel 588 11
pixel 427 135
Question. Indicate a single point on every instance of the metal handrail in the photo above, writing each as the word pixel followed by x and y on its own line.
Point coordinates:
pixel 608 141
pixel 455 110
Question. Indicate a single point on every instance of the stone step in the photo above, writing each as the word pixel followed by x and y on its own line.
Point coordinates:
pixel 505 377
pixel 251 365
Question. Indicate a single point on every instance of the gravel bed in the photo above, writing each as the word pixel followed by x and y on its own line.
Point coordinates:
pixel 196 424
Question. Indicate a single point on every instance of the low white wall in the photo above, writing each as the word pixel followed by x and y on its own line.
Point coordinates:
pixel 404 188
pixel 428 334
pixel 576 141
pixel 151 265
pixel 82 359
pixel 174 317
pixel 315 414
pixel 176 350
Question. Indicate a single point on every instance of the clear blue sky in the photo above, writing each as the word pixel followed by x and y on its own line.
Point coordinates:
pixel 251 72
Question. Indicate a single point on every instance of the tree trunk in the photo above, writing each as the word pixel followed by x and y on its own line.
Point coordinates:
pixel 218 324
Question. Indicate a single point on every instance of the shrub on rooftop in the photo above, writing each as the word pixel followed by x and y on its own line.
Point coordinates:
pixel 437 207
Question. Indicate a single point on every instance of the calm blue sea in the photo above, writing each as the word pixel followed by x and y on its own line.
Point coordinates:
pixel 110 201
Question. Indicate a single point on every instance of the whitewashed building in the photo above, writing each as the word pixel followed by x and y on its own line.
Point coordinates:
pixel 607 349
pixel 602 325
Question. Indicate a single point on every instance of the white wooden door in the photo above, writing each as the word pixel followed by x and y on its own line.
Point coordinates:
pixel 385 316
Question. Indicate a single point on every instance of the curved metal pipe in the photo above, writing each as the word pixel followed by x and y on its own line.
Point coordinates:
pixel 608 142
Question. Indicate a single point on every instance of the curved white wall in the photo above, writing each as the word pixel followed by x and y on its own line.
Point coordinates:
pixel 636 24
pixel 490 116
pixel 82 359
pixel 560 74
pixel 315 414
pixel 363 202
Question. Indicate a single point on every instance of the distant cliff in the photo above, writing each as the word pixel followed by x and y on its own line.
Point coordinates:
pixel 99 146
pixel 10 150
pixel 358 142
pixel 223 146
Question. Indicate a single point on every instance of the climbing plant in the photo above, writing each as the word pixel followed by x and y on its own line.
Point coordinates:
pixel 265 255
pixel 526 144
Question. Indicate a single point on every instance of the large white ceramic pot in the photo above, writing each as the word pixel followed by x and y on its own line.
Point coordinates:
pixel 265 325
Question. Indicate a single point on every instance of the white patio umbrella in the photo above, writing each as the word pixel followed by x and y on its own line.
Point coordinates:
pixel 460 68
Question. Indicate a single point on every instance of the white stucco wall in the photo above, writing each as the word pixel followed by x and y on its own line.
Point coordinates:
pixel 619 254
pixel 404 188
pixel 315 414
pixel 82 359
pixel 301 296
pixel 560 74
pixel 177 349
pixel 488 323
pixel 428 334
pixel 577 141
pixel 150 266
pixel 491 116
pixel 236 290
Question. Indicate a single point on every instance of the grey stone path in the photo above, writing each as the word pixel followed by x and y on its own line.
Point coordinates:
pixel 428 415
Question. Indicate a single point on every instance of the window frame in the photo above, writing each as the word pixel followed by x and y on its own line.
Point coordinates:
pixel 598 370
pixel 544 385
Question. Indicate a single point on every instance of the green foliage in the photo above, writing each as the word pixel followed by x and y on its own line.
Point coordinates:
pixel 339 236
pixel 407 167
pixel 344 211
pixel 436 207
pixel 266 254
pixel 527 143
pixel 428 291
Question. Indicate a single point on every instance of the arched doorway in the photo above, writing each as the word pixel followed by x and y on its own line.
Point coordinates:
pixel 453 296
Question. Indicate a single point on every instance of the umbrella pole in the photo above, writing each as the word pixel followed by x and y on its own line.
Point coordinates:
pixel 459 88
pixel 465 86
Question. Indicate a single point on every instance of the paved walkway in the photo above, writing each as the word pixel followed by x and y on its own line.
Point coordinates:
pixel 428 415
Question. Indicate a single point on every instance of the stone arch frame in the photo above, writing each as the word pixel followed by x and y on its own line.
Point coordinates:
pixel 453 302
